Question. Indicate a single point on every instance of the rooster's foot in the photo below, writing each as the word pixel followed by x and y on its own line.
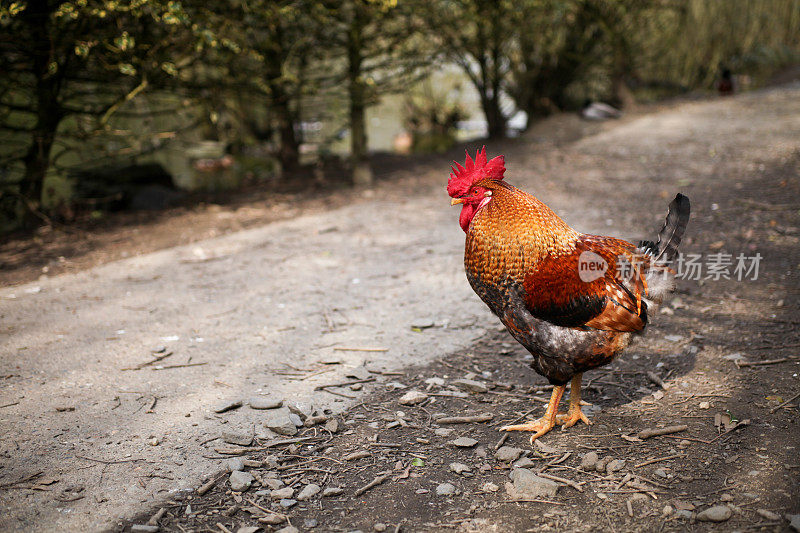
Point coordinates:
pixel 540 426
pixel 574 416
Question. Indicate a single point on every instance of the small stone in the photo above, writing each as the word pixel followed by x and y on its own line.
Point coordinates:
pixel 296 420
pixel 443 432
pixel 507 454
pixel 529 485
pixel 308 492
pixel 235 464
pixel 705 405
pixel 589 461
pixel 470 385
pixel 310 523
pixel 667 510
pixel 686 515
pixel 280 422
pixel 463 442
pixel 144 528
pixel 545 449
pixel 240 481
pixel 422 323
pixel 615 466
pixel 288 529
pixel 445 489
pixel 332 491
pixel 282 493
pixel 301 409
pixel 240 437
pixel 725 497
pixel 600 466
pixel 227 405
pixel 794 521
pixel 332 425
pixel 459 468
pixel 272 483
pixel 412 397
pixel 717 513
pixel 673 338
pixel 248 529
pixel 767 514
pixel 434 382
pixel 489 487
pixel 523 462
pixel 288 503
pixel 264 402
pixel 379 527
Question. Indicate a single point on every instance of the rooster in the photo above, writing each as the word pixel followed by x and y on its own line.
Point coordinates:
pixel 572 300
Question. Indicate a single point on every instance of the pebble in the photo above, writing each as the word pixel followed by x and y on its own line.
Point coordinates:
pixel 144 528
pixel 673 338
pixel 227 405
pixel 379 527
pixel 288 503
pixel 687 515
pixel 443 432
pixel 615 466
pixel 248 529
pixel 240 437
pixel 544 448
pixel 235 464
pixel 524 462
pixel 705 405
pixel 288 529
pixel 310 523
pixel 667 510
pixel 301 409
pixel 296 420
pixel 459 468
pixel 308 492
pixel 240 481
pixel 589 461
pixel 272 483
pixel 422 323
pixel 507 454
pixel 489 487
pixel 463 442
pixel 445 489
pixel 717 513
pixel 768 515
pixel 434 382
pixel 794 521
pixel 412 397
pixel 470 385
pixel 280 422
pixel 332 425
pixel 332 491
pixel 529 485
pixel 264 402
pixel 282 494
pixel 600 466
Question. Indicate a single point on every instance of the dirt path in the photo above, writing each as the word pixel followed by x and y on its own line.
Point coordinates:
pixel 268 310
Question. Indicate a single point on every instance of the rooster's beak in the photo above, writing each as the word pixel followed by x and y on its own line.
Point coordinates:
pixel 456 201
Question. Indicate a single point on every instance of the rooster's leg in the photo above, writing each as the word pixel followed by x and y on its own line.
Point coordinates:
pixel 544 424
pixel 574 414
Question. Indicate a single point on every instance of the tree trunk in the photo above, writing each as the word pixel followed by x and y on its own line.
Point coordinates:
pixel 496 122
pixel 359 163
pixel 48 109
pixel 280 103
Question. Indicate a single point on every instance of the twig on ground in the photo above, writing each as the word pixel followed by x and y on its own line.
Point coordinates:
pixel 374 483
pixel 784 403
pixel 148 363
pixel 344 383
pixel 485 417
pixel 655 432
pixel 359 349
pixel 665 458
pixel 178 366
pixel 565 481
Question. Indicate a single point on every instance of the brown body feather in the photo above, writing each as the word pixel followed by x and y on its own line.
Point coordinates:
pixel 522 260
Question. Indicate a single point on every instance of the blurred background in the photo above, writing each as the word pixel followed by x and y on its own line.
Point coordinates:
pixel 138 105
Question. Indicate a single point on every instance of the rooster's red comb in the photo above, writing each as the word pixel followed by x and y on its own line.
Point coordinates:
pixel 464 177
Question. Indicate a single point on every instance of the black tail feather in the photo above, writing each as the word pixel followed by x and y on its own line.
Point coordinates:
pixel 669 238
